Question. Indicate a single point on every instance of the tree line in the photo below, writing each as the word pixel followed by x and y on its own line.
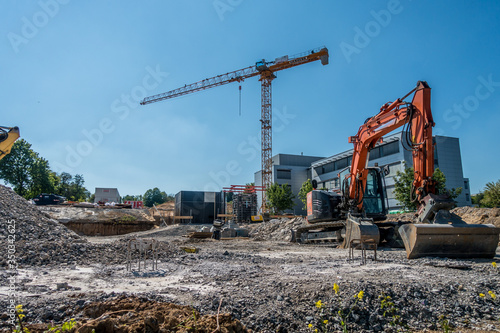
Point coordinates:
pixel 152 197
pixel 30 175
pixel 490 197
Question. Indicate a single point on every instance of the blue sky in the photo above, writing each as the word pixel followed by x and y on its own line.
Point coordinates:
pixel 73 73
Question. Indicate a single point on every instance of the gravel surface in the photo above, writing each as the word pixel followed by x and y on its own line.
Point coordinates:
pixel 265 282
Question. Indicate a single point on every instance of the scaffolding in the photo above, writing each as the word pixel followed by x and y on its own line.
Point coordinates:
pixel 244 207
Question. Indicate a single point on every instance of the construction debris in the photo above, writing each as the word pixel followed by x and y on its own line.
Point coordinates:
pixel 266 285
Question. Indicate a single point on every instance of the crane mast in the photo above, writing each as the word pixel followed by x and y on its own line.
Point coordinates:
pixel 266 72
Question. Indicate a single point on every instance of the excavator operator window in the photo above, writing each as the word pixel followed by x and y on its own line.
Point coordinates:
pixel 373 201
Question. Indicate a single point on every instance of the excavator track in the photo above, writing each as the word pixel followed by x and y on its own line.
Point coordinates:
pixel 319 233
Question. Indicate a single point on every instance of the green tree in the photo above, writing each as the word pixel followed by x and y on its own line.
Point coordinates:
pixel 280 197
pixel 43 180
pixel 154 197
pixel 129 197
pixel 30 175
pixel 76 190
pixel 403 186
pixel 304 189
pixel 491 195
pixel 16 167
pixel 64 184
pixel 476 199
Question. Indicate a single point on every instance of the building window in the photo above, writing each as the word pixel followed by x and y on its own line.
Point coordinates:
pixel 390 148
pixel 384 150
pixel 466 185
pixel 331 184
pixel 374 153
pixel 342 163
pixel 435 154
pixel 283 174
pixel 328 167
pixel 467 197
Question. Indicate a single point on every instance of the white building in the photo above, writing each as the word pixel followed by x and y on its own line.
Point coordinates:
pixel 107 195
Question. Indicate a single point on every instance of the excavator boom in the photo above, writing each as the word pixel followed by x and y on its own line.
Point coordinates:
pixel 8 135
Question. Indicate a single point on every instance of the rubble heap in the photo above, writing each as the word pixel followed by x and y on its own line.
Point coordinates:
pixel 29 223
pixel 41 241
pixel 276 229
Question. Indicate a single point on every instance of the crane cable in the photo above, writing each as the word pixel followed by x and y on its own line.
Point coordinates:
pixel 240 100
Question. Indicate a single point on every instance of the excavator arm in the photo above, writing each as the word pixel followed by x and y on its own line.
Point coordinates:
pixel 8 135
pixel 418 116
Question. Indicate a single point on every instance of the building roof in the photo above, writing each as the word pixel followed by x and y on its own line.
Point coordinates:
pixel 347 153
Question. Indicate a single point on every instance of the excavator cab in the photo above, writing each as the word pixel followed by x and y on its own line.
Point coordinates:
pixel 374 198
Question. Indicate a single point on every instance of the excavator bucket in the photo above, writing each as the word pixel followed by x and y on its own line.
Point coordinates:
pixel 361 230
pixel 450 240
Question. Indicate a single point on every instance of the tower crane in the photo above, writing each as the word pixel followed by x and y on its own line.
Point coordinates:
pixel 265 70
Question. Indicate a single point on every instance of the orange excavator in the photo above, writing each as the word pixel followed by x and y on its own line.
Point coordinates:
pixel 359 208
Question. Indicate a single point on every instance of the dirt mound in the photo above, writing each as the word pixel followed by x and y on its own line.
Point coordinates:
pixel 277 229
pixel 133 314
pixel 479 215
pixel 96 214
pixel 471 215
pixel 165 209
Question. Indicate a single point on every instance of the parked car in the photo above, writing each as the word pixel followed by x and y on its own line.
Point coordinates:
pixel 49 199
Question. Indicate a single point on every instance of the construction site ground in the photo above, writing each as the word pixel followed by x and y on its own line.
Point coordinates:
pixel 260 284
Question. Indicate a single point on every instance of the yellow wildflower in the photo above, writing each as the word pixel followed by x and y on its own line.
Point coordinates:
pixel 21 316
pixel 360 295
pixel 336 288
pixel 481 295
pixel 319 304
pixel 494 264
pixel 316 331
pixel 492 294
pixel 325 321
pixel 310 325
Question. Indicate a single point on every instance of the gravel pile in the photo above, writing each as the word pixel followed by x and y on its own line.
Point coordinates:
pixel 42 241
pixel 29 222
pixel 37 238
pixel 276 230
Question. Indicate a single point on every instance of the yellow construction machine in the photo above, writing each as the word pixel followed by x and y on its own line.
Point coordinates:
pixel 8 135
